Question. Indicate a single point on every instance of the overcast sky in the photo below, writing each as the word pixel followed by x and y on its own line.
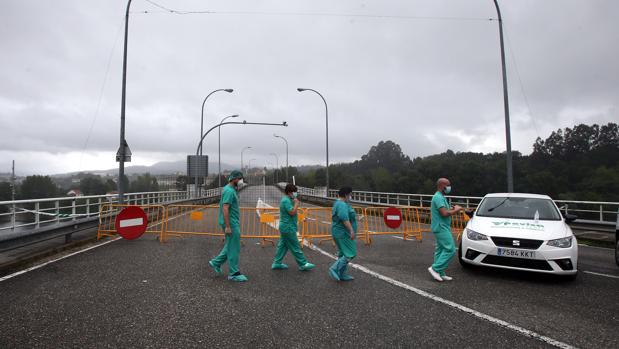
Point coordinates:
pixel 425 74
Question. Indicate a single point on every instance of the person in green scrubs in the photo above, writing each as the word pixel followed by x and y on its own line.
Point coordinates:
pixel 343 230
pixel 228 220
pixel 288 239
pixel 441 228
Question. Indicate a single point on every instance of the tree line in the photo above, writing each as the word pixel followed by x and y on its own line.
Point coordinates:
pixel 38 187
pixel 579 163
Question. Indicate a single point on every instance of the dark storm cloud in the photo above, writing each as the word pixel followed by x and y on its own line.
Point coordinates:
pixel 428 84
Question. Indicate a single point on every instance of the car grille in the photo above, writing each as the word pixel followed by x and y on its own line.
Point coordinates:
pixel 522 243
pixel 517 262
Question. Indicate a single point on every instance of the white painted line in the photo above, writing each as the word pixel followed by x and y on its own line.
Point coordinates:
pixel 600 274
pixel 74 253
pixel 55 260
pixel 491 319
pixel 596 247
pixel 131 222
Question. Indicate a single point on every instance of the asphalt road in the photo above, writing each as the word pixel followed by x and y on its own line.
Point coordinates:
pixel 145 294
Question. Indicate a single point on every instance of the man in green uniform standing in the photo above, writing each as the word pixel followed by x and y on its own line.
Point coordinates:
pixel 343 230
pixel 229 222
pixel 289 240
pixel 441 228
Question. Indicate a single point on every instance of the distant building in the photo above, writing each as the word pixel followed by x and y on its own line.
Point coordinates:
pixel 75 192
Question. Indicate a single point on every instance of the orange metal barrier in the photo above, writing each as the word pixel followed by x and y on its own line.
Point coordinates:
pixel 258 223
pixel 458 221
pixel 107 219
pixel 374 224
pixel 263 223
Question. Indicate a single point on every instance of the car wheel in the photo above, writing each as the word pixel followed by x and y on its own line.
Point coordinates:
pixel 462 262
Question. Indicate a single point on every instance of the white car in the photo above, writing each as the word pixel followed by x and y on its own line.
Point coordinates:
pixel 522 232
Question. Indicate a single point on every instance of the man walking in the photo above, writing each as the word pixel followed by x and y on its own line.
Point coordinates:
pixel 230 224
pixel 441 228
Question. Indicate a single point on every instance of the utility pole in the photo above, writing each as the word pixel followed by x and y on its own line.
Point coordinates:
pixel 13 196
pixel 508 137
pixel 121 155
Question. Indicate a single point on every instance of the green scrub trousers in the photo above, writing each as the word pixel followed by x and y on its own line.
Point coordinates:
pixel 444 251
pixel 230 252
pixel 289 241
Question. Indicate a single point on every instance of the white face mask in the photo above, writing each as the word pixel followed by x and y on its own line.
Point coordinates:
pixel 240 182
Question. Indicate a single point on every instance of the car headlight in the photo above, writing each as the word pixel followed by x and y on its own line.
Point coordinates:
pixel 473 235
pixel 562 243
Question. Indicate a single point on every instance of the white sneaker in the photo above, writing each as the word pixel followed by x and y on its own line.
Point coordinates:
pixel 447 278
pixel 435 275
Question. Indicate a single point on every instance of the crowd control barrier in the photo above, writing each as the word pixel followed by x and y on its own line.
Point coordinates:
pixel 156 215
pixel 314 223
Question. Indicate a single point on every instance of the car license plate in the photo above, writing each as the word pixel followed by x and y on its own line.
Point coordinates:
pixel 508 252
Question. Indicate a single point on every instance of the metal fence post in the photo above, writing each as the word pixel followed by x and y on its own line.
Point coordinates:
pixel 36 214
pixel 57 204
pixel 73 208
pixel 601 213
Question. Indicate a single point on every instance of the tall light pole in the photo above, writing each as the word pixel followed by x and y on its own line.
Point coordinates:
pixel 244 122
pixel 243 150
pixel 285 140
pixel 327 128
pixel 249 164
pixel 508 137
pixel 120 157
pixel 219 145
pixel 229 90
pixel 276 168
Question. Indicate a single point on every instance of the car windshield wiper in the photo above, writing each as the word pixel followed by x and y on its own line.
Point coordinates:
pixel 501 203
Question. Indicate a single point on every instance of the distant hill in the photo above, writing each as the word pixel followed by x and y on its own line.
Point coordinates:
pixel 159 168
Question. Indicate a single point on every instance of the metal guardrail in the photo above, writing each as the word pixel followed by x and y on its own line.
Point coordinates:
pixel 32 214
pixel 597 212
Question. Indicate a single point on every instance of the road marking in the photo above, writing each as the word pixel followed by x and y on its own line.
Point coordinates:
pixel 600 274
pixel 491 319
pixel 596 247
pixel 73 254
pixel 55 260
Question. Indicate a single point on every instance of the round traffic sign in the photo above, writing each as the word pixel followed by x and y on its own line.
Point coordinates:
pixel 393 217
pixel 131 222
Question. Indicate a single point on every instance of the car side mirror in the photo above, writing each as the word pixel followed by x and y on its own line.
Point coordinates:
pixel 569 218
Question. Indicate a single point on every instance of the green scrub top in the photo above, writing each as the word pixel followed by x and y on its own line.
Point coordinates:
pixel 287 223
pixel 228 196
pixel 341 212
pixel 439 223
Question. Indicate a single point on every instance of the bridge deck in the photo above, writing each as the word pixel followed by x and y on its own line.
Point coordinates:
pixel 142 293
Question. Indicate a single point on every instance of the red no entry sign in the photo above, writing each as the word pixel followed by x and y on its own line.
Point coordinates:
pixel 393 217
pixel 131 222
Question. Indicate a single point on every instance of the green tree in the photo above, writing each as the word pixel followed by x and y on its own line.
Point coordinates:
pixel 38 187
pixel 144 183
pixel 92 185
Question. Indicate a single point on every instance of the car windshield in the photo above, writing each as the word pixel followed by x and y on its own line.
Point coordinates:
pixel 519 208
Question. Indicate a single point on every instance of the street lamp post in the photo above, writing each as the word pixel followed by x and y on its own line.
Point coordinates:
pixel 229 90
pixel 243 150
pixel 249 164
pixel 284 124
pixel 508 137
pixel 285 140
pixel 123 142
pixel 219 145
pixel 276 168
pixel 327 129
